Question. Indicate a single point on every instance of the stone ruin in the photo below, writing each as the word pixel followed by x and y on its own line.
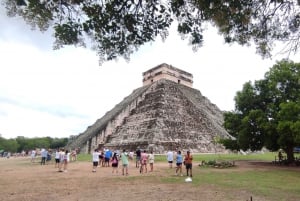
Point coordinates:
pixel 164 114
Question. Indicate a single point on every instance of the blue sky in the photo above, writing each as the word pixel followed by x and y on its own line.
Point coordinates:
pixel 58 93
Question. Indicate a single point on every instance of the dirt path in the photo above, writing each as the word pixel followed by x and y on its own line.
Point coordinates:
pixel 21 180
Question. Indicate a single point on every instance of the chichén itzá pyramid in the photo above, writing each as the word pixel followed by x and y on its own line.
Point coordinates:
pixel 166 113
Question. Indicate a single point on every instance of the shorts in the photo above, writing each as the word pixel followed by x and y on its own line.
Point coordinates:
pixel 57 160
pixel 188 166
pixel 125 165
pixel 95 163
pixel 138 158
pixel 114 164
pixel 106 159
pixel 170 161
pixel 178 164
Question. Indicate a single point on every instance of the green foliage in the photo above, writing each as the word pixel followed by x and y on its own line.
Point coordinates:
pixel 268 112
pixel 10 145
pixel 230 144
pixel 22 143
pixel 118 28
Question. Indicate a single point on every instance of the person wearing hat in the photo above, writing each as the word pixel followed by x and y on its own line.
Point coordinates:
pixel 188 161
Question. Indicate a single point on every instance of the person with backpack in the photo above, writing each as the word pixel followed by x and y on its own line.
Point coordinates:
pixel 115 163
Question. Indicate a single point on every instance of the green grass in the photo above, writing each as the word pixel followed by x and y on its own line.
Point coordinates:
pixel 268 156
pixel 273 184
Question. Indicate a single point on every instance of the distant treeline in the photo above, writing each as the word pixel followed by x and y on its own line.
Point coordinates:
pixel 19 144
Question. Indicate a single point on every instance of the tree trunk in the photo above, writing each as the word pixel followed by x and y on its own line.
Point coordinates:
pixel 290 154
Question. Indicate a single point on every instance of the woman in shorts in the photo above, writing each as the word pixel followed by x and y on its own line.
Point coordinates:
pixel 115 163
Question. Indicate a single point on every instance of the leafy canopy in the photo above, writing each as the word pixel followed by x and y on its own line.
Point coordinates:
pixel 119 27
pixel 267 112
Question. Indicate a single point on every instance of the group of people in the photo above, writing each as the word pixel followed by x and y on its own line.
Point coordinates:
pixel 143 158
pixel 186 160
pixel 62 158
pixel 107 157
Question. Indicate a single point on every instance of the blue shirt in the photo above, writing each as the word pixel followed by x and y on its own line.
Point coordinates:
pixel 179 158
pixel 108 154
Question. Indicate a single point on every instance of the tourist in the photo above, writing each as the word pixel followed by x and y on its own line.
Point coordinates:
pixel 66 160
pixel 95 158
pixel 138 158
pixel 170 158
pixel 44 154
pixel 179 160
pixel 56 158
pixel 115 163
pixel 144 160
pixel 125 162
pixel 61 159
pixel 280 156
pixel 49 156
pixel 151 160
pixel 101 159
pixel 107 156
pixel 188 159
pixel 131 154
pixel 33 155
pixel 73 155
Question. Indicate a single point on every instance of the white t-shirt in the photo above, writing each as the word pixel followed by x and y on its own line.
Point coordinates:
pixel 68 156
pixel 57 155
pixel 33 153
pixel 96 156
pixel 170 156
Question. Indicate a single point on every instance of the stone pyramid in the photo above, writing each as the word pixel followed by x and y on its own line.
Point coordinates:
pixel 160 116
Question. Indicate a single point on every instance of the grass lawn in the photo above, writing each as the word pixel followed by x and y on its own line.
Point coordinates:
pixel 270 182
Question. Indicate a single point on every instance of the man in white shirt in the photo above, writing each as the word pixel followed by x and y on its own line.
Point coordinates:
pixel 170 158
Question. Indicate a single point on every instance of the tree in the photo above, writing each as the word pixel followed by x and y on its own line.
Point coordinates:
pixel 267 113
pixel 10 145
pixel 119 27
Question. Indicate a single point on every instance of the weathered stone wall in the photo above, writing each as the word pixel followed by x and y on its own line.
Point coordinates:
pixel 105 126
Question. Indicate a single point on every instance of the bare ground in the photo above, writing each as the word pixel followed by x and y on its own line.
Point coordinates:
pixel 25 181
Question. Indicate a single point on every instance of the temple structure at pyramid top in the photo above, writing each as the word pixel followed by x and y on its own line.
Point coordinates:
pixel 165 71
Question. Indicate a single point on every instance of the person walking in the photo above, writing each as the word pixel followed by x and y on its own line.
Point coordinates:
pixel 56 158
pixel 151 160
pixel 44 154
pixel 188 161
pixel 33 155
pixel 170 158
pixel 61 159
pixel 66 160
pixel 179 160
pixel 124 159
pixel 95 158
pixel 107 156
pixel 138 158
pixel 115 163
pixel 144 161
